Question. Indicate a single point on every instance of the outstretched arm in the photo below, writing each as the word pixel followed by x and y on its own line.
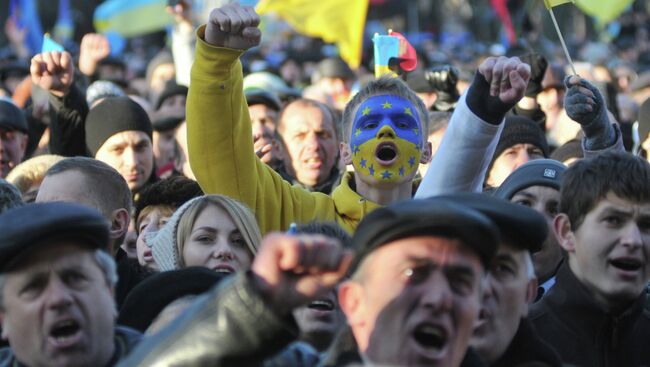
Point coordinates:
pixel 473 133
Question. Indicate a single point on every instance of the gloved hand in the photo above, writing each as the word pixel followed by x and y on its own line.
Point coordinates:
pixel 538 65
pixel 443 79
pixel 585 104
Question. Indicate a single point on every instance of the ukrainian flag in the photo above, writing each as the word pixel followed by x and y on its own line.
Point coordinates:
pixel 131 18
pixel 386 47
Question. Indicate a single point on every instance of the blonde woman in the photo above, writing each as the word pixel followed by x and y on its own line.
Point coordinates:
pixel 212 231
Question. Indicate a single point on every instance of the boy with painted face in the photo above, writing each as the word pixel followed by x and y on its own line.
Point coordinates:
pixel 387 140
pixel 383 137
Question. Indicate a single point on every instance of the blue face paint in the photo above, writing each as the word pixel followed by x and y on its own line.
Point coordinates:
pixel 386 122
pixel 386 110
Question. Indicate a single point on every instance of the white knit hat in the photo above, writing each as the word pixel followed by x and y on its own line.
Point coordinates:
pixel 163 242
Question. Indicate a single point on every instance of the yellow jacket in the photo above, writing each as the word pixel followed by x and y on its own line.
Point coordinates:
pixel 223 160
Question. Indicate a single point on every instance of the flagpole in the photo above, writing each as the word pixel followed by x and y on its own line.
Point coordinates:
pixel 566 50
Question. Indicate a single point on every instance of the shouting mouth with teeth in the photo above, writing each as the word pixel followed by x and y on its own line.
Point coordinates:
pixel 65 334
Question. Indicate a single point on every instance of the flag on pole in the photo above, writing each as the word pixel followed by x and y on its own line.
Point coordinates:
pixel 335 21
pixel 551 3
pixel 131 18
pixel 386 47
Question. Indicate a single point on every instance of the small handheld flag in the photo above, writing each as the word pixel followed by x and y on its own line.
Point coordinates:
pixel 50 45
pixel 549 5
pixel 393 46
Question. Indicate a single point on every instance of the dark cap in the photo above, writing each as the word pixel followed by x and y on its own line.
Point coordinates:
pixel 171 89
pixel 27 226
pixel 12 117
pixel 114 115
pixel 520 130
pixel 538 172
pixel 167 123
pixel 524 227
pixel 334 67
pixel 434 216
pixel 260 96
pixel 145 302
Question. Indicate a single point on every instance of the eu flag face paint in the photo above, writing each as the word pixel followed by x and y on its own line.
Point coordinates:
pixel 386 141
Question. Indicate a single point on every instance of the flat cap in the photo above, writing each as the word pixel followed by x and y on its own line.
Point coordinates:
pixel 522 226
pixel 12 117
pixel 145 302
pixel 25 227
pixel 436 216
pixel 260 96
pixel 538 172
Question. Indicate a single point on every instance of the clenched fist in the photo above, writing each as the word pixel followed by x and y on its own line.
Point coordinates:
pixel 233 26
pixel 53 71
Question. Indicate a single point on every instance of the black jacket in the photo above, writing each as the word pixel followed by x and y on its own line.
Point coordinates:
pixel 67 124
pixel 125 340
pixel 585 333
pixel 527 349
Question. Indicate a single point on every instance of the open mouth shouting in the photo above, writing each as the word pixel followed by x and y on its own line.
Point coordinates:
pixel 65 334
pixel 627 267
pixel 432 340
pixel 386 153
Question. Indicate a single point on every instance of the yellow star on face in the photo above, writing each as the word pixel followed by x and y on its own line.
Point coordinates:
pixel 357 131
pixel 407 111
pixel 365 111
pixel 416 131
pixel 387 105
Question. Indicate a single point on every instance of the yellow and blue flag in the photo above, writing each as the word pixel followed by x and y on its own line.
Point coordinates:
pixel 386 48
pixel 604 11
pixel 131 18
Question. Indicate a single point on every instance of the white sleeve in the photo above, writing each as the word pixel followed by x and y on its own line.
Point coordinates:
pixel 466 150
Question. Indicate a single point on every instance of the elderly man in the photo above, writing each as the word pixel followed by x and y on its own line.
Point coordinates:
pixel 503 336
pixel 56 284
pixel 413 298
pixel 13 136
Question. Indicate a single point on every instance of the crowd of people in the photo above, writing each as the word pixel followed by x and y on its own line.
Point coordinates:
pixel 217 214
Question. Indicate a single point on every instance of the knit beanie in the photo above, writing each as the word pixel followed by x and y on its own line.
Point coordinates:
pixel 568 150
pixel 163 242
pixel 102 89
pixel 111 116
pixel 538 172
pixel 520 130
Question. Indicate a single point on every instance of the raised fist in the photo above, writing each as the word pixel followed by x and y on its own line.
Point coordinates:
pixel 94 48
pixel 508 78
pixel 444 79
pixel 233 26
pixel 53 71
pixel 294 269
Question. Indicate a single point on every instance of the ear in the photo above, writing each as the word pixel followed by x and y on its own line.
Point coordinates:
pixel 346 153
pixel 426 153
pixel 119 223
pixel 531 294
pixel 563 232
pixel 350 301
